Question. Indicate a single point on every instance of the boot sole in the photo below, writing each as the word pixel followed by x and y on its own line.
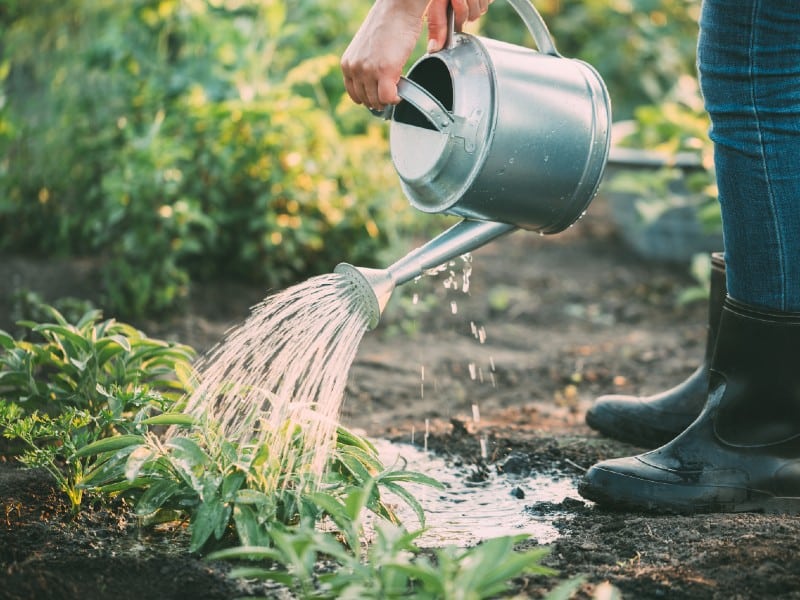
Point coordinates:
pixel 633 494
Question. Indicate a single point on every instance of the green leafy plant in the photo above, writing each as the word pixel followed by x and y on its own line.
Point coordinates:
pixel 52 442
pixel 673 127
pixel 218 485
pixel 72 385
pixel 77 365
pixel 655 40
pixel 675 134
pixel 238 490
pixel 28 305
pixel 391 566
pixel 700 270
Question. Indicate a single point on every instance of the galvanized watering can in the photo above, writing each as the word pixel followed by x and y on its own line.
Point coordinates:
pixel 502 135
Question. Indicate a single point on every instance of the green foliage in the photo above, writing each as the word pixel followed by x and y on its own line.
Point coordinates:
pixel 678 123
pixel 78 384
pixel 639 47
pixel 78 365
pixel 672 127
pixel 184 140
pixel 700 269
pixel 27 305
pixel 104 442
pixel 52 442
pixel 226 488
pixel 193 140
pixel 392 566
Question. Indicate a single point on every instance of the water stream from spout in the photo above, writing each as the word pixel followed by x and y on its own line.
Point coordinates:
pixel 285 367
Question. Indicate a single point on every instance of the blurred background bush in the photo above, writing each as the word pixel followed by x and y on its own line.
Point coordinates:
pixel 188 140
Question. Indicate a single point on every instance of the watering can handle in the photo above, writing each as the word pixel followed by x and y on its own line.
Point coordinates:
pixel 529 15
pixel 536 25
pixel 425 102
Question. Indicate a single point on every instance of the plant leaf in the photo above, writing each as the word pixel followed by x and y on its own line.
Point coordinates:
pixel 246 553
pixel 156 496
pixel 109 444
pixel 136 460
pixel 6 341
pixel 170 419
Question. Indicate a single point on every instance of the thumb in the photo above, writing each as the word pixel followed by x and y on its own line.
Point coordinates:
pixel 437 24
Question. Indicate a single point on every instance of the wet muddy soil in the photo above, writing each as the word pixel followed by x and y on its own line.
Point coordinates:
pixel 497 380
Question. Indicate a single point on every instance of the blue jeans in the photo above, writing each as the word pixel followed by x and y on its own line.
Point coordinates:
pixel 749 64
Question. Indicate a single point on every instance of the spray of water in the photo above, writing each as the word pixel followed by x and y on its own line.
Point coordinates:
pixel 284 370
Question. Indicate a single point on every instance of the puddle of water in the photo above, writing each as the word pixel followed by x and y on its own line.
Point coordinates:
pixel 466 512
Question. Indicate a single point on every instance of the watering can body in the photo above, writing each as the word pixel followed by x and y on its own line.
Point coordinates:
pixel 493 131
pixel 504 136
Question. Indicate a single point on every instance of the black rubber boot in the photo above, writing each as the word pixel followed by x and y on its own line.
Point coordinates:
pixel 649 421
pixel 743 451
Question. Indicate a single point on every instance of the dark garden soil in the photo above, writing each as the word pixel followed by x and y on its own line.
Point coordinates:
pixel 566 318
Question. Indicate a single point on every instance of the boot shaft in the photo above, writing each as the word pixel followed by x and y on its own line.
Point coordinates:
pixel 755 374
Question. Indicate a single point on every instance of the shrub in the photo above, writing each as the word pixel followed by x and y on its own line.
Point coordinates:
pixel 182 140
pixel 639 47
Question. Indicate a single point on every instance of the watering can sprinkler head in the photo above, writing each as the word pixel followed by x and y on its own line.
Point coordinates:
pixel 375 286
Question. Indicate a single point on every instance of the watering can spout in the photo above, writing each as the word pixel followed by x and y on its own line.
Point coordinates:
pixel 377 285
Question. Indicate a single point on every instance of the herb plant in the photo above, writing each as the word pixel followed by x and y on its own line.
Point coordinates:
pixel 72 385
pixel 52 442
pixel 229 490
pixel 390 566
pixel 65 364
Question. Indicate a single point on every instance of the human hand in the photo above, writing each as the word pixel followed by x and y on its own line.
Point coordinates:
pixel 373 62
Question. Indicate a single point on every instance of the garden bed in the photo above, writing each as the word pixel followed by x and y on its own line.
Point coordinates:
pixel 566 318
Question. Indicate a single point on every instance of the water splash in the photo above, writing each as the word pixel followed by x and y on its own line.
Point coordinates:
pixel 285 367
pixel 469 509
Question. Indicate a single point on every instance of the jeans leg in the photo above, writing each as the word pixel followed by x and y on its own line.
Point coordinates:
pixel 749 65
